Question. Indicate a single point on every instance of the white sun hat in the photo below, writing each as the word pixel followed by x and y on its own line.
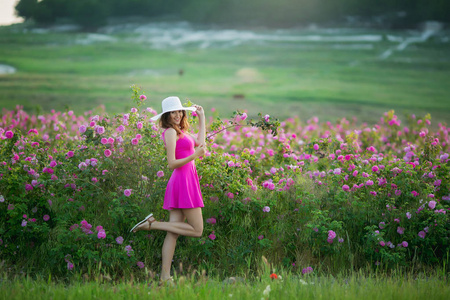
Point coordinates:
pixel 171 104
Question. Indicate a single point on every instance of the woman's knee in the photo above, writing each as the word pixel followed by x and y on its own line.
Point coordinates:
pixel 199 231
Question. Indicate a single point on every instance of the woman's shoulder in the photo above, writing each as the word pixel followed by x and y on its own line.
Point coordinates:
pixel 170 130
pixel 169 133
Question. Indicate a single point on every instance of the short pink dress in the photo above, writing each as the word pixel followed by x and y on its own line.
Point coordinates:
pixel 183 188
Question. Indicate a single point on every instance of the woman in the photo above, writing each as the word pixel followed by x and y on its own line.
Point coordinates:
pixel 183 198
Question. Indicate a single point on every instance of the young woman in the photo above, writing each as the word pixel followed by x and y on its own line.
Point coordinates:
pixel 183 198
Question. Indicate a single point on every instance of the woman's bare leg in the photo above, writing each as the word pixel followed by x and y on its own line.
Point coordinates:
pixel 175 227
pixel 193 227
pixel 170 242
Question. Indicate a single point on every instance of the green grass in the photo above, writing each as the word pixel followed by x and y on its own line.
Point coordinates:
pixel 55 73
pixel 355 286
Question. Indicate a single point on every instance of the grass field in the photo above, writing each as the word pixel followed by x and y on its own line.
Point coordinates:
pixel 291 287
pixel 276 72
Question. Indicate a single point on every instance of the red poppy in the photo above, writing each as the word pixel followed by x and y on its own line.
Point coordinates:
pixel 274 276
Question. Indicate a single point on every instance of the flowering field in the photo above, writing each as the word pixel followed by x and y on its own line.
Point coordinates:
pixel 309 196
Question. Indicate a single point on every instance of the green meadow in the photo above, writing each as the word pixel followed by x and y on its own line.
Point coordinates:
pixel 328 79
pixel 356 286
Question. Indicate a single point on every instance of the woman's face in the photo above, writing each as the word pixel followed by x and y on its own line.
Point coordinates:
pixel 176 116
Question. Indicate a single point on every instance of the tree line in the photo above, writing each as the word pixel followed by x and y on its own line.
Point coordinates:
pixel 279 13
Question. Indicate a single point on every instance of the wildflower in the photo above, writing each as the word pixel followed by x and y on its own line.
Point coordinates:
pixel 107 153
pixel 129 250
pixel 375 169
pixel 69 266
pixel 400 230
pixel 119 240
pixel 382 243
pixel 134 110
pixel 212 236
pixel 397 192
pixel 345 188
pixel 432 204
pixel 160 174
pixel 340 240
pixel 307 270
pixel 82 129
pixel 104 141
pixel 230 195
pixel 2 199
pixel 414 193
pixel 266 291
pixel 243 116
pixel 266 118
pixel 100 130
pixel 405 244
pixel 369 182
pixel 101 234
pixel 127 192
pixel 260 237
pixel 421 234
pixel 316 147
pixel 46 218
pixel 140 264
pixel 273 276
pixel 139 125
pixel 24 223
pixel 331 234
pixel 121 128
pixel 337 171
pixel 211 221
pixel 82 166
pixel 134 141
pixel 142 97
pixel 266 209
pixel 70 154
pixel 9 134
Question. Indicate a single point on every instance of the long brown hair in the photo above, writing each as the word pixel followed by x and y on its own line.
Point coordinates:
pixel 164 122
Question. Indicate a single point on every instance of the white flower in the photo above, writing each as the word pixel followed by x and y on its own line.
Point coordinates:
pixel 267 291
pixel 303 282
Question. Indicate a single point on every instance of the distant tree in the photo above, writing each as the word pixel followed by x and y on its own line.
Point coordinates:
pixel 26 8
pixel 90 13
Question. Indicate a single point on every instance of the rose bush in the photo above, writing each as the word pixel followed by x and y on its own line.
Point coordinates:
pixel 300 193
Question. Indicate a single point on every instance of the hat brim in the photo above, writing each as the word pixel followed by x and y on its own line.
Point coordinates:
pixel 155 118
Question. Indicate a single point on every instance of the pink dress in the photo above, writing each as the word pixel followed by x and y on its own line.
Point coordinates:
pixel 183 188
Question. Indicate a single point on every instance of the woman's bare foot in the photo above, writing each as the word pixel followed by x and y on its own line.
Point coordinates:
pixel 145 225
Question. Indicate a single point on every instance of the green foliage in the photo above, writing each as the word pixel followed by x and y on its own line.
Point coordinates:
pixel 72 187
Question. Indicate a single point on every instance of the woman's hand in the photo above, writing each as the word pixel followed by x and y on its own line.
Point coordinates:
pixel 199 110
pixel 200 151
